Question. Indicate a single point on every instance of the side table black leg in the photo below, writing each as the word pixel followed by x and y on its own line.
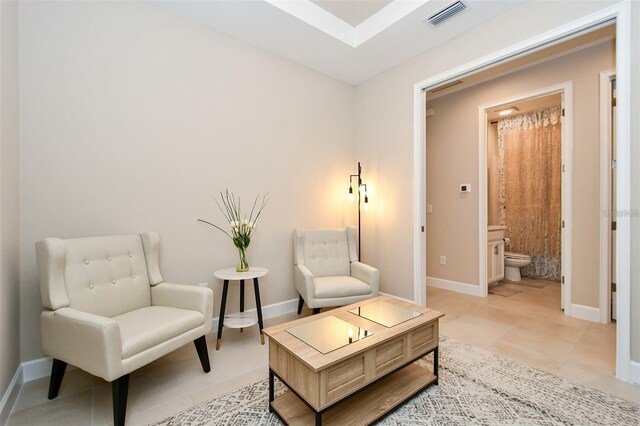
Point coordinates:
pixel 256 288
pixel 435 364
pixel 271 390
pixel 241 300
pixel 318 419
pixel 223 303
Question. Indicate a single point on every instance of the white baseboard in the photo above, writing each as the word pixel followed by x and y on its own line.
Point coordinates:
pixel 268 311
pixel 10 396
pixel 473 290
pixel 396 297
pixel 36 369
pixel 586 313
pixel 634 372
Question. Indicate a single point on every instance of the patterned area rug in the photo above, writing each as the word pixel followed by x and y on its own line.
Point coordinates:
pixel 503 290
pixel 476 387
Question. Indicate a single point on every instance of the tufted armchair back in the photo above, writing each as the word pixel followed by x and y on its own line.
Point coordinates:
pixel 106 276
pixel 326 252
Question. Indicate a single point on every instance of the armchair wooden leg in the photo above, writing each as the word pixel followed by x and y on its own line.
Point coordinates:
pixel 300 304
pixel 57 373
pixel 316 311
pixel 203 353
pixel 119 391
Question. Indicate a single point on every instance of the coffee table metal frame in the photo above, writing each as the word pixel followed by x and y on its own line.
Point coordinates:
pixel 318 414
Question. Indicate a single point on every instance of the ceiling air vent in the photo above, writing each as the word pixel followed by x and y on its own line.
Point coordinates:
pixel 446 13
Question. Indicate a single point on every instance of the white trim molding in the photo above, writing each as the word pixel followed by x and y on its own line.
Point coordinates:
pixel 10 396
pixel 565 90
pixel 620 14
pixel 634 372
pixel 419 197
pixel 586 313
pixel 605 194
pixel 471 289
pixel 26 372
pixel 396 297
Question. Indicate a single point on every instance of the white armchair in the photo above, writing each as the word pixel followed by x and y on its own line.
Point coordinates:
pixel 327 270
pixel 108 311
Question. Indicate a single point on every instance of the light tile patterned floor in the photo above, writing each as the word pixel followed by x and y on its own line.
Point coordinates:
pixel 528 327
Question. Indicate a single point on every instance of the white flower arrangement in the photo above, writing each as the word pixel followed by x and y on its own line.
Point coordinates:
pixel 241 228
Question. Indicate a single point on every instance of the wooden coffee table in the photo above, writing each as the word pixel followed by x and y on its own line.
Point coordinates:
pixel 359 382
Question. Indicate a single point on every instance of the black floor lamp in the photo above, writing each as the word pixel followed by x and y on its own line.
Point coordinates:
pixel 362 191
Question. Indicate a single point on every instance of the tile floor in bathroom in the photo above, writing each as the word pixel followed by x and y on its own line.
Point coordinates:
pixel 527 326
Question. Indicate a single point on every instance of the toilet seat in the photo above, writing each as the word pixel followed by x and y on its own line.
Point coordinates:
pixel 512 255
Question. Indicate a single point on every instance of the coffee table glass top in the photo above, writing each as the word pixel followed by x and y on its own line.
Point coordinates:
pixel 328 334
pixel 385 313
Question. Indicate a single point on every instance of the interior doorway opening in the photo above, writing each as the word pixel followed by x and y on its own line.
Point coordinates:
pixel 619 15
pixel 526 191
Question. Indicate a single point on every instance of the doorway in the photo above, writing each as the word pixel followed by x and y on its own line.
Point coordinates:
pixel 618 14
pixel 543 221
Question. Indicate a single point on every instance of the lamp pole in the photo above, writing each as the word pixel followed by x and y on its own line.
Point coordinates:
pixel 366 202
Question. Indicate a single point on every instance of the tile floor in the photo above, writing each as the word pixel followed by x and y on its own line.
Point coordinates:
pixel 527 326
pixel 530 327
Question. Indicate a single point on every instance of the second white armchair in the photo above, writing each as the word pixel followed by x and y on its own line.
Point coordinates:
pixel 327 270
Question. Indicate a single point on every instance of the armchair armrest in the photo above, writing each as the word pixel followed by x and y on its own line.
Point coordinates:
pixel 90 342
pixel 184 297
pixel 304 282
pixel 366 273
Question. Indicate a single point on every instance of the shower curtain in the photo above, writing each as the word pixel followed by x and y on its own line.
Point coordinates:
pixel 529 185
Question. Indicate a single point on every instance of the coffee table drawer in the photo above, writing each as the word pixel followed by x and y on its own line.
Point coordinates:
pixel 423 339
pixel 390 355
pixel 342 379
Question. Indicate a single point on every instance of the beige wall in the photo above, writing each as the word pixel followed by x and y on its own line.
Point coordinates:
pixel 384 132
pixel 145 82
pixel 132 117
pixel 452 143
pixel 9 219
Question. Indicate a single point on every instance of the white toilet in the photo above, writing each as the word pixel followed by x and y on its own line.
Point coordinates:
pixel 512 264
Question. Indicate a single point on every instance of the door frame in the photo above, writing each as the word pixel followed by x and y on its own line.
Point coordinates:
pixel 605 194
pixel 565 90
pixel 620 14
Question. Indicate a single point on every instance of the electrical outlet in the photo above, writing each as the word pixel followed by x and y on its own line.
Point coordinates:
pixel 203 285
pixel 443 260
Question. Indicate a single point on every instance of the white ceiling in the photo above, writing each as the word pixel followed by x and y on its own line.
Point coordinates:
pixel 353 12
pixel 321 34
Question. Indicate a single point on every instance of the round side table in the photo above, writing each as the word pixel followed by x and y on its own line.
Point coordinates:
pixel 241 319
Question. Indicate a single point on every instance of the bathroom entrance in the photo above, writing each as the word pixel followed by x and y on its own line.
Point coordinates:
pixel 524 193
pixel 526 190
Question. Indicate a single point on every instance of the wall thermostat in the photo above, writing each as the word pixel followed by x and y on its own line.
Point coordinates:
pixel 465 187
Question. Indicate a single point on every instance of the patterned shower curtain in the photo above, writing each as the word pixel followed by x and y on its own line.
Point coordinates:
pixel 529 188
